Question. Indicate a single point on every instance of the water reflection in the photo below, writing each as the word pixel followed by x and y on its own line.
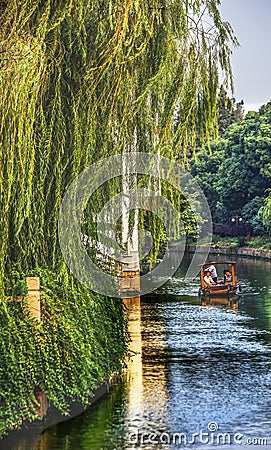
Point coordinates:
pixel 147 396
pixel 255 276
pixel 229 303
pixel 134 372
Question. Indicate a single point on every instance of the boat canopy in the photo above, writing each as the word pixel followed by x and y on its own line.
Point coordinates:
pixel 215 263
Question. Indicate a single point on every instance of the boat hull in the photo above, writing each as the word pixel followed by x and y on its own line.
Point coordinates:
pixel 219 291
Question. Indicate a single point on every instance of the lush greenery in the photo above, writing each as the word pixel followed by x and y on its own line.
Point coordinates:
pixel 80 81
pixel 76 346
pixel 236 175
pixel 256 242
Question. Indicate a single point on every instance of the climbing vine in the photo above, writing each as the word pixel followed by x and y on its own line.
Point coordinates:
pixel 78 344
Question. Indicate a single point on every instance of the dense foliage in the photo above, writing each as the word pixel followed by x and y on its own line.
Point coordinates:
pixel 80 81
pixel 236 176
pixel 75 348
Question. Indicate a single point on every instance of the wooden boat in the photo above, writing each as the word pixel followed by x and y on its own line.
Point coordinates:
pixel 227 288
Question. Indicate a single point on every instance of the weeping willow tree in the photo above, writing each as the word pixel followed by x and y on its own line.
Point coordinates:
pixel 78 81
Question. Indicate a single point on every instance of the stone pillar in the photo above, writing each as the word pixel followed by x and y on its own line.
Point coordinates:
pixel 33 300
pixel 130 283
pixel 33 297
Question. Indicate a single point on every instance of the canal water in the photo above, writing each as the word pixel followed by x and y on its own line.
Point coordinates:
pixel 199 375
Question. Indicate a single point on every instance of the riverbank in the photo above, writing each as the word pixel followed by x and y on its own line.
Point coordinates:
pixel 233 251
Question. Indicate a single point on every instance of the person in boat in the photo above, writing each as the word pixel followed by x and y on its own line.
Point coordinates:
pixel 211 279
pixel 227 276
pixel 213 272
pixel 208 279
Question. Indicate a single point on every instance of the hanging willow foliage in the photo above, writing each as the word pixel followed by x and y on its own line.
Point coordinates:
pixel 78 81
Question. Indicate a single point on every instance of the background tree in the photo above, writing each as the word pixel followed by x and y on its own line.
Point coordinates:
pixel 236 176
pixel 229 111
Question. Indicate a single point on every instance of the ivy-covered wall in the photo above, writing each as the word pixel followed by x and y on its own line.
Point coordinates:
pixel 78 344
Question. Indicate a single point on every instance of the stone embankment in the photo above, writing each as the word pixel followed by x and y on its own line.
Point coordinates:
pixel 234 251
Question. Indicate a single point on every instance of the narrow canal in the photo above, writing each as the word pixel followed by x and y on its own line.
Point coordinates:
pixel 200 376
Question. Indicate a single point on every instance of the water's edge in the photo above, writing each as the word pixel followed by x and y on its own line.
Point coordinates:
pixel 54 416
pixel 236 251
